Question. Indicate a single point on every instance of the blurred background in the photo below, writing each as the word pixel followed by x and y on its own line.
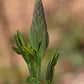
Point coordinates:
pixel 65 22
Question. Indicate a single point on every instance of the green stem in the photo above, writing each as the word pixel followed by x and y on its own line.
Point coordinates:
pixel 32 68
pixel 38 67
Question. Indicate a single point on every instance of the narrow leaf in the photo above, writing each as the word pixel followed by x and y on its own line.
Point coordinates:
pixel 17 42
pixel 50 68
pixel 29 52
pixel 16 50
pixel 20 38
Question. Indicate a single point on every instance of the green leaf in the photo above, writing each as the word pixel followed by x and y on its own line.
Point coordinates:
pixel 33 39
pixel 20 38
pixel 42 47
pixel 17 42
pixel 16 50
pixel 29 52
pixel 38 38
pixel 32 80
pixel 55 58
pixel 50 68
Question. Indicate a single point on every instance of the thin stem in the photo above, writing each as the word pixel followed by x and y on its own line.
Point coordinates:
pixel 38 67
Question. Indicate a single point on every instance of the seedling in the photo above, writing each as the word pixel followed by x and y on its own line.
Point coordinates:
pixel 38 43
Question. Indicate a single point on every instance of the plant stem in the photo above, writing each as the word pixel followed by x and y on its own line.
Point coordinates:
pixel 38 67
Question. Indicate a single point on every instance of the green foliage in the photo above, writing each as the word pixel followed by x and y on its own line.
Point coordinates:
pixel 50 68
pixel 38 37
pixel 38 43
